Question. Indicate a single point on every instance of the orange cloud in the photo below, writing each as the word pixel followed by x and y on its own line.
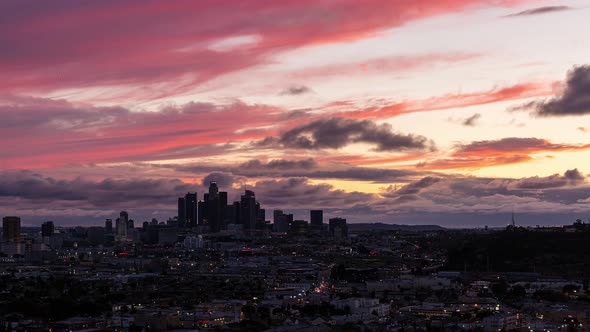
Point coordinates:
pixel 511 150
pixel 389 110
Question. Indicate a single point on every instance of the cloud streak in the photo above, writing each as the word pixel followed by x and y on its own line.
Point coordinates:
pixel 541 11
pixel 393 109
pixel 505 151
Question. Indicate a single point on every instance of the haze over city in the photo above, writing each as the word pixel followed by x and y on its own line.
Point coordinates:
pixel 452 112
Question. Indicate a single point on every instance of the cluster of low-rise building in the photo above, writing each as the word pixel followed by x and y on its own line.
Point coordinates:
pixel 336 279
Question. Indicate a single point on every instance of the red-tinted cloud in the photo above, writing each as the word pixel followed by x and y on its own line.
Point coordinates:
pixel 359 160
pixel 72 44
pixel 393 64
pixel 389 110
pixel 45 133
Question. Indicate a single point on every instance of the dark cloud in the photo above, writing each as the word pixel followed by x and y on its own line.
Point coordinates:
pixel 297 114
pixel 335 133
pixel 31 194
pixel 535 186
pixel 540 10
pixel 307 168
pixel 417 186
pixel 569 178
pixel 472 120
pixel 278 164
pixel 575 99
pixel 296 90
pixel 409 192
pixel 574 175
pixel 299 192
pixel 38 189
pixel 224 180
pixel 511 144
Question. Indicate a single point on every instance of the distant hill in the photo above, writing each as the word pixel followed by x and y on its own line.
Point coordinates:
pixel 394 227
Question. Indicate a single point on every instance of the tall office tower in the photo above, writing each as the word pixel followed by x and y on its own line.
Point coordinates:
pixel 47 228
pixel 11 229
pixel 289 218
pixel 223 197
pixel 260 217
pixel 108 226
pixel 237 213
pixel 214 208
pixel 299 227
pixel 201 208
pixel 181 211
pixel 229 215
pixel 122 225
pixel 276 215
pixel 130 224
pixel 338 228
pixel 213 189
pixel 248 210
pixel 316 218
pixel 190 201
pixel 260 213
pixel 281 224
pixel 223 221
pixel 124 216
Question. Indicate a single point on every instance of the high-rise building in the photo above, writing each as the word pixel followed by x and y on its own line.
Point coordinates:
pixel 289 218
pixel 108 226
pixel 124 216
pixel 281 224
pixel 130 224
pixel 11 229
pixel 214 207
pixel 316 218
pixel 299 227
pixel 47 228
pixel 223 220
pixel 213 189
pixel 338 228
pixel 260 214
pixel 190 201
pixel 276 215
pixel 201 208
pixel 181 211
pixel 248 210
pixel 122 226
pixel 233 214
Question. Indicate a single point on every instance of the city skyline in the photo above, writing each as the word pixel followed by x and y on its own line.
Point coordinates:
pixel 454 112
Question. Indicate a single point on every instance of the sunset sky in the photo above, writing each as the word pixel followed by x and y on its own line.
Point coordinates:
pixel 450 112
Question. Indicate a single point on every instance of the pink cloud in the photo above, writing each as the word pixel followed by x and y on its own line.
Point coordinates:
pixel 67 44
pixel 392 64
pixel 46 133
pixel 393 109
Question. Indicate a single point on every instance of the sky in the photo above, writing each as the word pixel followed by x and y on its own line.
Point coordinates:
pixel 448 112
